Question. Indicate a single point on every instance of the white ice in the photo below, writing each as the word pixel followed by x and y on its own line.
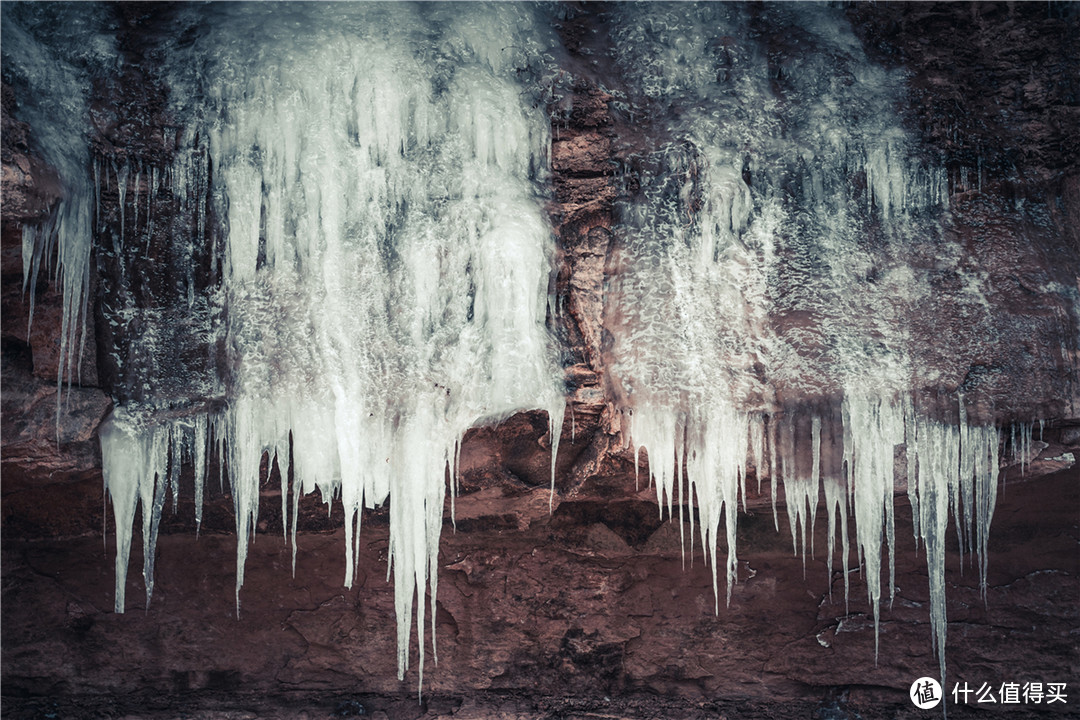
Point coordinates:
pixel 386 264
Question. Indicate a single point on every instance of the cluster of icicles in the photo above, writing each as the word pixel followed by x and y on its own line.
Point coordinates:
pixel 386 269
pixel 951 469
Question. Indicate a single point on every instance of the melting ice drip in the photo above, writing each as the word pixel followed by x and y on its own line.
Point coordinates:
pixel 765 271
pixel 386 265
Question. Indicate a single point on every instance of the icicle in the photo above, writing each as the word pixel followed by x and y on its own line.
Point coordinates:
pixel 296 492
pixel 935 470
pixel 773 471
pixel 836 504
pixel 153 496
pixel 454 483
pixel 984 448
pixel 138 464
pixel 873 427
pixel 124 466
pixel 201 460
pixel 961 510
pixel 136 187
pixel 680 447
pixel 555 423
pixel 245 451
pixel 912 448
pixel 284 473
pixel 175 450
pixel 742 472
pixel 679 479
pixel 815 474
pixel 121 187
pixel 31 260
pixel 155 177
pixel 801 492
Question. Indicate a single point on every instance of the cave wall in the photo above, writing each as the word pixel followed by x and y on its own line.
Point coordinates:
pixel 591 601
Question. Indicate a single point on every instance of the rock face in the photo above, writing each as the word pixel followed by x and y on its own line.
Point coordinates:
pixel 1004 134
pixel 586 611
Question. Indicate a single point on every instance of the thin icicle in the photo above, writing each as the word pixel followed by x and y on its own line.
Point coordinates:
pixel 774 475
pixel 679 480
pixel 121 172
pixel 815 474
pixel 201 460
pixel 136 187
pixel 556 414
pixel 836 505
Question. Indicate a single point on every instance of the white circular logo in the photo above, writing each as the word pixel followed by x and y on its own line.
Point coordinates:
pixel 925 693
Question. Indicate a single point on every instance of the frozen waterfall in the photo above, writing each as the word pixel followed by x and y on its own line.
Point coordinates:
pixel 366 186
pixel 765 274
pixel 384 269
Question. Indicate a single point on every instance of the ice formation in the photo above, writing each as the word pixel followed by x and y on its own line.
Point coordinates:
pixel 367 181
pixel 385 265
pixel 47 56
pixel 764 274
